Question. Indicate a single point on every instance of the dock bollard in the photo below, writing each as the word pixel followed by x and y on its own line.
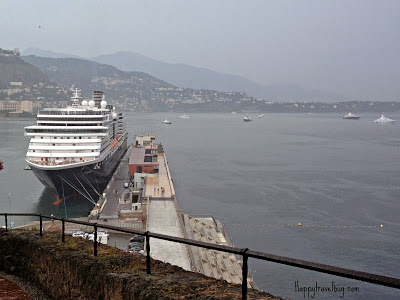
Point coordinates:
pixel 95 240
pixel 5 216
pixel 244 273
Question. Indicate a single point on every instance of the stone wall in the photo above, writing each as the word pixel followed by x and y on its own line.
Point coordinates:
pixel 70 271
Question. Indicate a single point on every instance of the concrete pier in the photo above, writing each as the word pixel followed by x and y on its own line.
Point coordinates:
pixel 164 218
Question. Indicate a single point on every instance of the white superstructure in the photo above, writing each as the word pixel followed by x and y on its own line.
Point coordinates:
pixel 383 119
pixel 84 133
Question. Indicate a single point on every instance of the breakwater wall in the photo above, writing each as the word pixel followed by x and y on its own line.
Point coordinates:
pixel 69 271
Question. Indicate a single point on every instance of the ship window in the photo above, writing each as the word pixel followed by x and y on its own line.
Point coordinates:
pixel 80 137
pixel 54 144
pixel 55 137
pixel 33 150
pixel 41 137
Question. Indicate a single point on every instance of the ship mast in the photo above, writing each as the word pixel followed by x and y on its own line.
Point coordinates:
pixel 76 98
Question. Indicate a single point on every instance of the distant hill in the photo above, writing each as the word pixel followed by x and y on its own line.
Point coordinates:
pixel 118 86
pixel 200 78
pixel 187 76
pixel 138 91
pixel 20 80
pixel 49 80
pixel 45 53
pixel 15 69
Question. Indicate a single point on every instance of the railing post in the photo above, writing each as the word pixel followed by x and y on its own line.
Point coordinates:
pixel 147 253
pixel 244 273
pixel 5 216
pixel 95 240
pixel 63 230
pixel 41 225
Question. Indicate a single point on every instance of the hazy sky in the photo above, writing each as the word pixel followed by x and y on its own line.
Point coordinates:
pixel 348 47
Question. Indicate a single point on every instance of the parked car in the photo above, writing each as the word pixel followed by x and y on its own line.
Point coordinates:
pixel 137 238
pixel 135 244
pixel 79 233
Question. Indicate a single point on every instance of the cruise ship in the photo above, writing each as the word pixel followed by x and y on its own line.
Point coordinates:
pixel 75 150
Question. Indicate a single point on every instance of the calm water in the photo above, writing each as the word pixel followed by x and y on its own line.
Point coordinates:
pixel 338 178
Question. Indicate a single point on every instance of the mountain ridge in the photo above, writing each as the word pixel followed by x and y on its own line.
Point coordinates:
pixel 137 91
pixel 20 80
pixel 188 76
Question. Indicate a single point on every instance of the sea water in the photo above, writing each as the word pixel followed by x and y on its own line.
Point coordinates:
pixel 340 179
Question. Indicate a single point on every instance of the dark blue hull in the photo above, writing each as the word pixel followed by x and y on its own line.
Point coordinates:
pixel 87 182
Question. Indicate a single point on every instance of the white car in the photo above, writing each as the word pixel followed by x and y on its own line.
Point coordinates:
pixel 79 233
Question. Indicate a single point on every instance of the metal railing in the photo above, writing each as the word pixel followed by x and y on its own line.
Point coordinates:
pixel 244 252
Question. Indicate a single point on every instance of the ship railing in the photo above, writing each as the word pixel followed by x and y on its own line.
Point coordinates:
pixel 51 163
pixel 244 252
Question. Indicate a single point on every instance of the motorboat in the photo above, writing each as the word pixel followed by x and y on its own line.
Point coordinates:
pixel 261 116
pixel 383 119
pixel 350 116
pixel 166 121
pixel 184 117
pixel 247 119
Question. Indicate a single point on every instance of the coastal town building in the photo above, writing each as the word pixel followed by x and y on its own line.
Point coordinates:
pixel 16 106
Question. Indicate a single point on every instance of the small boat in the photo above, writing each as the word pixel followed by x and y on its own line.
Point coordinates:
pixel 184 117
pixel 247 119
pixel 383 119
pixel 233 113
pixel 261 116
pixel 1 165
pixel 166 121
pixel 350 116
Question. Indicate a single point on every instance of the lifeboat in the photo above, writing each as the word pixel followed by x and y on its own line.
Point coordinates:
pixel 114 143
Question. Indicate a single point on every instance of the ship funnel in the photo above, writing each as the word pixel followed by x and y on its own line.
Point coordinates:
pixel 97 97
